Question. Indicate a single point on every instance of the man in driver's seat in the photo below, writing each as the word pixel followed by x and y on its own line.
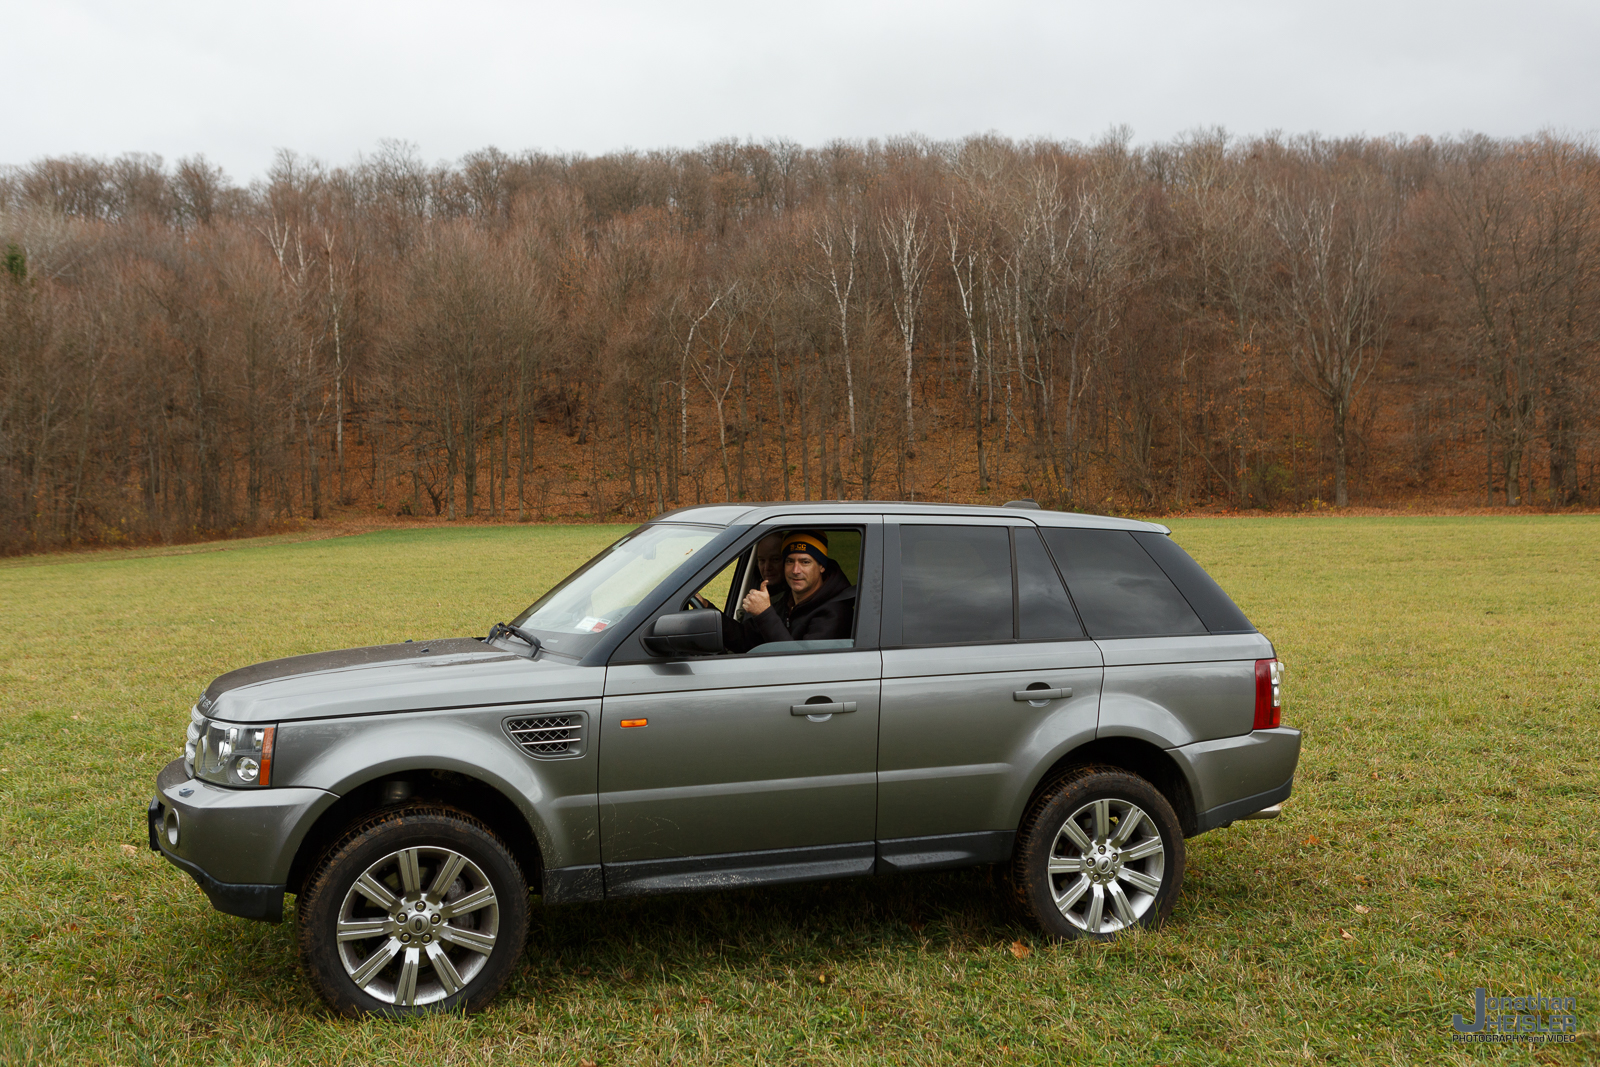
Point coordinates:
pixel 817 603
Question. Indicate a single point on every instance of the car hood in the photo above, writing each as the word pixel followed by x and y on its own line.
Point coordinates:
pixel 417 676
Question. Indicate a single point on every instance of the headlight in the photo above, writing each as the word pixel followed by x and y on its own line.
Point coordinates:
pixel 191 743
pixel 230 755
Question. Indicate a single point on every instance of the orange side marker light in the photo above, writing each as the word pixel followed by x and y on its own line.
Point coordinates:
pixel 628 724
pixel 270 736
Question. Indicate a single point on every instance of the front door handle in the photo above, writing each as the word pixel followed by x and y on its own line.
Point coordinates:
pixel 1040 696
pixel 822 709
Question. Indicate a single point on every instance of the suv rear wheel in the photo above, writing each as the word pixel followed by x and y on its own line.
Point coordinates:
pixel 1100 852
pixel 413 911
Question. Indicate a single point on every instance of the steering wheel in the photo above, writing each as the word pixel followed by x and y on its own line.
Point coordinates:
pixel 696 601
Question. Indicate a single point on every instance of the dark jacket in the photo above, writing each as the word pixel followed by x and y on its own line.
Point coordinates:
pixel 827 614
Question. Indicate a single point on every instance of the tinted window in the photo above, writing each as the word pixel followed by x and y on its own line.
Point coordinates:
pixel 1215 608
pixel 1119 590
pixel 1043 610
pixel 956 584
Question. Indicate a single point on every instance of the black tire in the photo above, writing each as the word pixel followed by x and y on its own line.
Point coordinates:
pixel 1109 834
pixel 432 948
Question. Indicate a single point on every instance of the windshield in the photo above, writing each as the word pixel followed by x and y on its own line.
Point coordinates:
pixel 569 617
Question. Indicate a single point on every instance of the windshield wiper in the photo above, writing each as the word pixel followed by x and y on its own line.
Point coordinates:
pixel 501 629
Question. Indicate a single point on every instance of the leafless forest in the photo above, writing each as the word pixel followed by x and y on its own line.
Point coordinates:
pixel 1270 323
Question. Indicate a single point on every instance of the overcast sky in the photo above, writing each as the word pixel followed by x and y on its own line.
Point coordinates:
pixel 238 80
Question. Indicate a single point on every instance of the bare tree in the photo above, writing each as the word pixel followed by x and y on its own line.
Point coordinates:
pixel 1520 235
pixel 906 258
pixel 1332 291
pixel 840 239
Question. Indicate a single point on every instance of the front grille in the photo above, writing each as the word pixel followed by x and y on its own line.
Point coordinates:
pixel 553 736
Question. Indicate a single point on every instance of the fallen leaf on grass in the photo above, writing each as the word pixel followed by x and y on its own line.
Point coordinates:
pixel 1021 951
pixel 1347 935
pixel 129 850
pixel 1362 908
pixel 1450 954
pixel 1311 840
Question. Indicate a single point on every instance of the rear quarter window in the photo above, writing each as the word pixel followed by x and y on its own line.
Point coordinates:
pixel 1215 608
pixel 1119 589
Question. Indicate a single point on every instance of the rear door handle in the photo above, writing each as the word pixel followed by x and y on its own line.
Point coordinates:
pixel 822 709
pixel 1030 696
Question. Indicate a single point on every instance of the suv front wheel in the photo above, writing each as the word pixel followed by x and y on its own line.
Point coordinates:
pixel 417 910
pixel 1100 852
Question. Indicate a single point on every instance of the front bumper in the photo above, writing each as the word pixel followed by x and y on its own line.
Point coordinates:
pixel 236 843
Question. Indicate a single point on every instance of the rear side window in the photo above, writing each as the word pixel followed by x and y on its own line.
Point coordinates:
pixel 956 584
pixel 1119 589
pixel 1215 608
pixel 1043 611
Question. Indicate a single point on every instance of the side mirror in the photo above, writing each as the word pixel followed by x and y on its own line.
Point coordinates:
pixel 686 633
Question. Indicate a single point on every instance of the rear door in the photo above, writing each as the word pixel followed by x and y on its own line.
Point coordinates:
pixel 976 617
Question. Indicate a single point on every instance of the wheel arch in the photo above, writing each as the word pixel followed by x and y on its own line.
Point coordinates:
pixel 394 789
pixel 1131 754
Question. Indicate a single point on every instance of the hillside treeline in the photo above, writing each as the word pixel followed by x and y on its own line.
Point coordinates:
pixel 1251 323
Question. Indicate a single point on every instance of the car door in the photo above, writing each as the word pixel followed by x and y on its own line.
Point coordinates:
pixel 714 773
pixel 976 617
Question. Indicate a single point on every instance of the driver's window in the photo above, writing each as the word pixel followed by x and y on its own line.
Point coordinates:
pixel 824 617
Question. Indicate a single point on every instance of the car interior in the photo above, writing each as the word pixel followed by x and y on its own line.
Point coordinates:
pixel 726 590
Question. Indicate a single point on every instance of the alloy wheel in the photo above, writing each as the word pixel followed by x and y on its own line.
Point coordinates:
pixel 1106 866
pixel 417 926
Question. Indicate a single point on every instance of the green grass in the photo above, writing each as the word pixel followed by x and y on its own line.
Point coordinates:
pixel 1443 671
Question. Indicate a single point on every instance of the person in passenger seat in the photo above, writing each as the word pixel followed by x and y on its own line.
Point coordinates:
pixel 817 603
pixel 769 558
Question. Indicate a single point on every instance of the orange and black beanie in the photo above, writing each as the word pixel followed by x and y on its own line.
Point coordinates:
pixel 813 543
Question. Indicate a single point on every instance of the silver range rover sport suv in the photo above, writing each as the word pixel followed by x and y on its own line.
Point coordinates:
pixel 1064 695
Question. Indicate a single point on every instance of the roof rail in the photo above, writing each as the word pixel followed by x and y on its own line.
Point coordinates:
pixel 1024 503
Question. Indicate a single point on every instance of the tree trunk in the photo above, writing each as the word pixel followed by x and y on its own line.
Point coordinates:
pixel 1341 490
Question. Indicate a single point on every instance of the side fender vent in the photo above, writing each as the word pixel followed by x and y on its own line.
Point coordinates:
pixel 559 735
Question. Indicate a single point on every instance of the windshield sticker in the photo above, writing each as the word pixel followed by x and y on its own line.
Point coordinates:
pixel 591 625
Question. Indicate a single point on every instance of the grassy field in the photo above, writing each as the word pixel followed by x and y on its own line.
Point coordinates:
pixel 1443 834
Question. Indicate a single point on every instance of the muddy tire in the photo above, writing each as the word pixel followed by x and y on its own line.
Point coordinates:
pixel 1099 852
pixel 413 911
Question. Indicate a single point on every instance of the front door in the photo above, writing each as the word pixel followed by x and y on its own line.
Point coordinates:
pixel 757 768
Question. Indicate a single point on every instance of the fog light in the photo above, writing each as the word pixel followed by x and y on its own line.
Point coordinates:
pixel 169 826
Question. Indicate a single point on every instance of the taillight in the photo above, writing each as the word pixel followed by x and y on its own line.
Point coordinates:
pixel 1269 694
